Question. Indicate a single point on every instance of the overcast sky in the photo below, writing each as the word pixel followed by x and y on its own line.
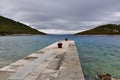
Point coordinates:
pixel 62 16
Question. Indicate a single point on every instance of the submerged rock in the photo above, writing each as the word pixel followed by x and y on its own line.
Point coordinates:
pixel 105 77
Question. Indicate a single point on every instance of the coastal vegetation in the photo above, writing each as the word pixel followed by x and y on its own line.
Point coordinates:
pixel 10 27
pixel 107 29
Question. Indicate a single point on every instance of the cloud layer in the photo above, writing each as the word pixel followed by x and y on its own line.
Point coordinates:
pixel 62 16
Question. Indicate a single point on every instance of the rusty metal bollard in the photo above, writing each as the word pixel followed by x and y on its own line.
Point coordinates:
pixel 66 39
pixel 60 45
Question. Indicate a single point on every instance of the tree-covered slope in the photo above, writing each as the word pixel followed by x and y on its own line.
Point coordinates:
pixel 8 27
pixel 108 29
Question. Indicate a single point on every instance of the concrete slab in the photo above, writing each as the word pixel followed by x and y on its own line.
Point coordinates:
pixel 69 73
pixel 22 73
pixel 5 74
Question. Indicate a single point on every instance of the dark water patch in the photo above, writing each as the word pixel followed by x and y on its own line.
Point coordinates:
pixel 89 59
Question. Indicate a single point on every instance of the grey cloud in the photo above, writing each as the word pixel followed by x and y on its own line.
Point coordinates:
pixel 61 14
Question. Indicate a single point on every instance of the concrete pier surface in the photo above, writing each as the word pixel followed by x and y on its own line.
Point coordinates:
pixel 50 63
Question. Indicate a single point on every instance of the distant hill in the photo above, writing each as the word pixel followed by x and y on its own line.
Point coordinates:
pixel 108 29
pixel 9 27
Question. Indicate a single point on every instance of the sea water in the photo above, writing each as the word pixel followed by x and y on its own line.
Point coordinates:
pixel 98 54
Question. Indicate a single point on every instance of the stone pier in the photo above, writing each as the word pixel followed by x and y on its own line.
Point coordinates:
pixel 50 63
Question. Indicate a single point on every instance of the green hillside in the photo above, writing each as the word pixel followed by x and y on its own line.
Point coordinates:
pixel 108 29
pixel 8 27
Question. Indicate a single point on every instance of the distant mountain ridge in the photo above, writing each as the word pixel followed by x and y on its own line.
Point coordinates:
pixel 108 29
pixel 9 27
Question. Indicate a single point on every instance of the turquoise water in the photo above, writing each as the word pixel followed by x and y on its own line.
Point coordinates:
pixel 98 54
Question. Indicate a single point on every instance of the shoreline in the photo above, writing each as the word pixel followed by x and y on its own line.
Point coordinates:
pixel 97 35
pixel 23 34
pixel 51 34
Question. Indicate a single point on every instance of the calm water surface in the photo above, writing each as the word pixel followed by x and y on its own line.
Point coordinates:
pixel 98 54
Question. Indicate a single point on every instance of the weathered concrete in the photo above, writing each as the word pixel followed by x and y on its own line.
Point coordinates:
pixel 50 63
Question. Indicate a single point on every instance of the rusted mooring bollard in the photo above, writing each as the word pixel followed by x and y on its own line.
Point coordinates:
pixel 60 45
